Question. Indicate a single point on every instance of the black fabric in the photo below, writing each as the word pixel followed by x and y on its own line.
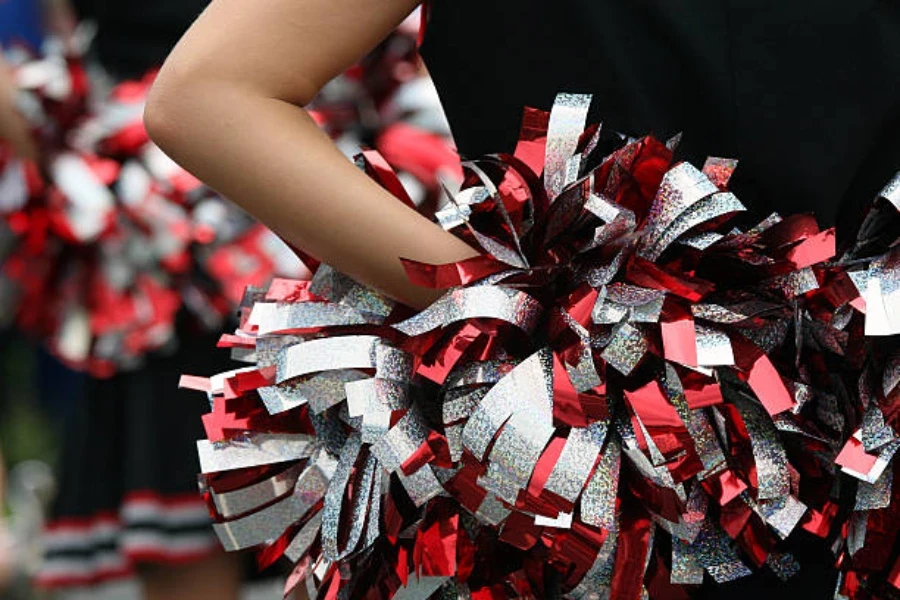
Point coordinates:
pixel 137 431
pixel 137 35
pixel 802 92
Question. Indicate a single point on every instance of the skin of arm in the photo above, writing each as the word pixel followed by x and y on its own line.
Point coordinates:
pixel 60 18
pixel 227 105
pixel 13 126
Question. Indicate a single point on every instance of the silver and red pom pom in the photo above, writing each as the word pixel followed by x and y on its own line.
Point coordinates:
pixel 625 391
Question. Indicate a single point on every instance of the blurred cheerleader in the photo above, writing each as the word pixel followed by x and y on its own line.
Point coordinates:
pixel 20 22
pixel 128 503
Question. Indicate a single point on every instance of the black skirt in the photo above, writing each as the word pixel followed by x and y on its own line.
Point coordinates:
pixel 128 490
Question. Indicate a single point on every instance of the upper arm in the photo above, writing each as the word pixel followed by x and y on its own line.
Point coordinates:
pixel 285 49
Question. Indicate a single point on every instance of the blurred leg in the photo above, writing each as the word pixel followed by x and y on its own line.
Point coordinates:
pixel 215 578
pixel 6 572
pixel 2 481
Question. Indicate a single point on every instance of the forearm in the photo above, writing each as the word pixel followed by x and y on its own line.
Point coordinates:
pixel 268 156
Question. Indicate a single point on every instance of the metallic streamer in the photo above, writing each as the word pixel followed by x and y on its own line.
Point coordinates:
pixel 516 452
pixel 401 441
pixel 342 289
pixel 697 423
pixel 716 553
pixel 681 187
pixel 567 121
pixel 480 302
pixel 595 583
pixel 686 570
pixel 703 211
pixel 321 391
pixel 422 485
pixel 492 511
pixel 572 470
pixel 419 588
pixel 783 514
pixel 598 503
pixel 254 450
pixel 271 317
pixel 584 375
pixel 304 538
pixel 768 454
pixel 875 432
pixel 891 191
pixel 875 496
pixel 528 387
pixel 348 352
pixel 334 501
pixel 256 528
pixel 713 347
pixel 626 349
pixel 380 395
pixel 858 528
pixel 243 500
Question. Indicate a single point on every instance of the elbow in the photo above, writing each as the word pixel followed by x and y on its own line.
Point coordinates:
pixel 186 101
pixel 163 113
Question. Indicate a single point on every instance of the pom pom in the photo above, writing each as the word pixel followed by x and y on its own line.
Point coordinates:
pixel 624 391
pixel 107 239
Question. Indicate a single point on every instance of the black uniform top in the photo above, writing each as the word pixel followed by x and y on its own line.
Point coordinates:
pixel 133 35
pixel 806 93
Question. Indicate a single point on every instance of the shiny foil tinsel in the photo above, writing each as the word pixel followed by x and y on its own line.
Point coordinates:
pixel 625 395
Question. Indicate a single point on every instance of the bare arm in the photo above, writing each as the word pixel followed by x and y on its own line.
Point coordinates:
pixel 227 105
pixel 13 126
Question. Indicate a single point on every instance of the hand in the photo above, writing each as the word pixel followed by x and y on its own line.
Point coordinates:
pixel 14 128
